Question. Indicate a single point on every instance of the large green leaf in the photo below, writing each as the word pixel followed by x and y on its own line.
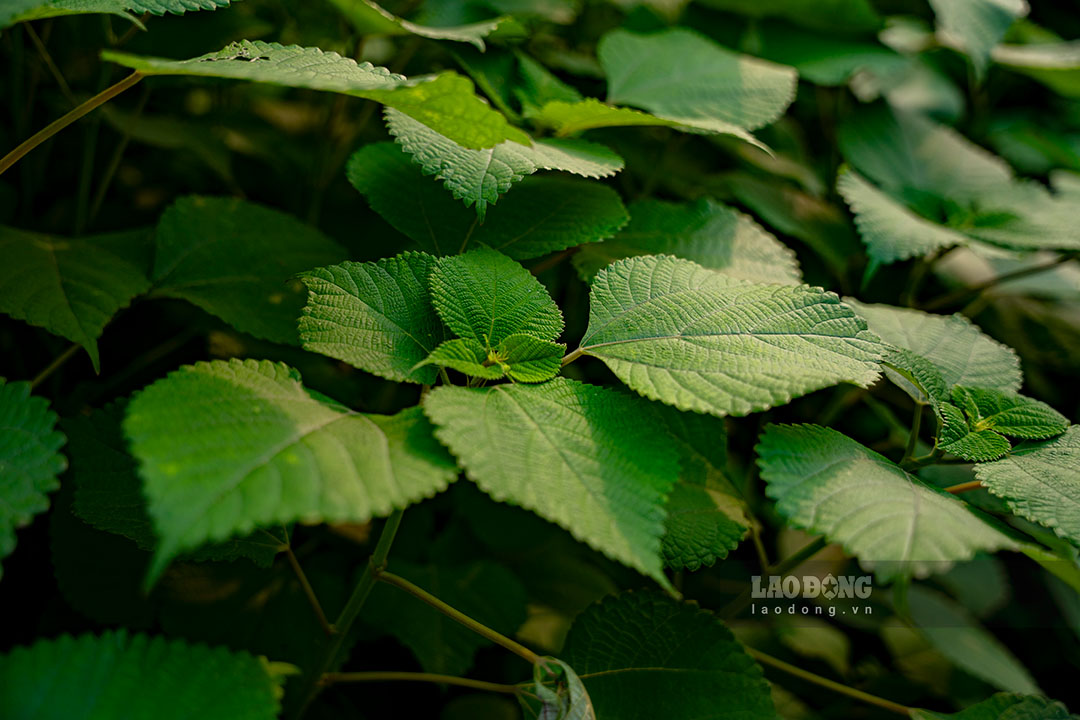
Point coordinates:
pixel 237 260
pixel 479 177
pixel 446 102
pixel 542 215
pixel 585 457
pixel 712 235
pixel 30 459
pixel 71 286
pixel 1004 706
pixel 376 316
pixel 645 655
pixel 226 447
pixel 700 340
pixel 23 10
pixel 485 296
pixel 978 25
pixel 682 76
pixel 369 17
pixel 951 343
pixel 826 483
pixel 1041 481
pixel 483 590
pixel 118 675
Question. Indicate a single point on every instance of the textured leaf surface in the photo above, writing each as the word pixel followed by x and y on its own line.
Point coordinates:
pixel 482 590
pixel 682 76
pixel 699 340
pixel 960 437
pixel 826 483
pixel 479 177
pixel 120 675
pixel 646 655
pixel 237 260
pixel 956 347
pixel 369 17
pixel 446 103
pixel 979 25
pixel 1004 706
pixel 376 316
pixel 486 296
pixel 71 286
pixel 226 447
pixel 30 459
pixel 710 234
pixel 23 10
pixel 519 357
pixel 581 456
pixel 544 214
pixel 1041 482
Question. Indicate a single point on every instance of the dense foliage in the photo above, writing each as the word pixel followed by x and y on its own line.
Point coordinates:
pixel 540 358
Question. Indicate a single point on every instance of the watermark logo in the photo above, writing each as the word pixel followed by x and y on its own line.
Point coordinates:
pixel 809 587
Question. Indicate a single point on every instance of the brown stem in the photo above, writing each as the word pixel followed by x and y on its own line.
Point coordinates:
pixel 965 487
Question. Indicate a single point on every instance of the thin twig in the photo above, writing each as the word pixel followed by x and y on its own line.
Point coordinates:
pixel 965 487
pixel 957 296
pixel 54 365
pixel 309 591
pixel 47 59
pixel 359 677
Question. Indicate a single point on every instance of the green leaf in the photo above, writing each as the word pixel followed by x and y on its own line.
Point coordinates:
pixel 376 316
pixel 682 76
pixel 486 296
pixel 826 483
pixel 71 286
pixel 646 655
pixel 699 340
pixel 959 437
pixel 369 18
pixel 519 357
pixel 1041 482
pixel 237 260
pixel 446 102
pixel 483 590
pixel 479 177
pixel 1054 64
pixel 542 215
pixel 829 59
pixel 584 457
pixel 24 10
pixel 211 472
pixel 120 675
pixel 1010 414
pixel 712 235
pixel 952 343
pixel 567 118
pixel 953 632
pixel 1004 706
pixel 30 459
pixel 977 25
pixel 568 700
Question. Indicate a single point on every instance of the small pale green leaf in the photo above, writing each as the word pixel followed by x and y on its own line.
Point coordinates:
pixel 560 691
pixel 237 260
pixel 376 316
pixel 702 341
pixel 646 655
pixel 682 76
pixel 131 676
pixel 484 591
pixel 1004 706
pixel 826 483
pixel 446 102
pixel 977 25
pixel 24 10
pixel 1009 413
pixel 30 459
pixel 479 177
pixel 465 355
pixel 488 297
pixel 519 357
pixel 542 215
pixel 1041 482
pixel 712 235
pixel 368 17
pixel 959 437
pixel 585 457
pixel 952 343
pixel 71 286
pixel 226 447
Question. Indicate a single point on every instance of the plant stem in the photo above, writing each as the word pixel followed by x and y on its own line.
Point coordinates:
pixel 913 437
pixel 54 365
pixel 827 683
pixel 920 462
pixel 60 123
pixel 454 614
pixel 359 677
pixel 309 591
pixel 781 568
pixel 962 294
pixel 965 487
pixel 572 357
pixel 47 59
